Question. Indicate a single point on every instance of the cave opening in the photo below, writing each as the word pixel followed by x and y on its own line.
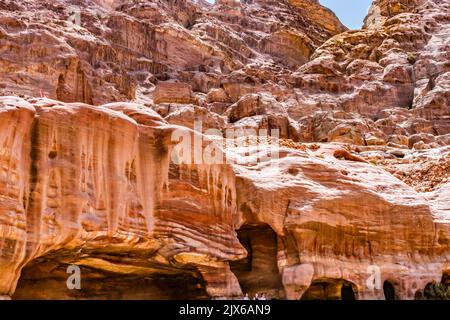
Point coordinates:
pixel 330 289
pixel 258 273
pixel 46 279
pixel 388 290
pixel 347 292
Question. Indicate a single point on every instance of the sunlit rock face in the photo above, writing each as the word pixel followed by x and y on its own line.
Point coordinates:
pixel 95 187
pixel 78 178
pixel 355 206
pixel 96 51
pixel 381 10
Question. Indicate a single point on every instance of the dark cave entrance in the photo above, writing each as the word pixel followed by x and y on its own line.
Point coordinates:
pixel 258 273
pixel 347 292
pixel 331 289
pixel 45 279
pixel 388 290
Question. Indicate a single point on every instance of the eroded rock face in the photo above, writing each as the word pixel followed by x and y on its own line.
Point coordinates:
pixel 101 175
pixel 96 187
pixel 93 95
pixel 103 51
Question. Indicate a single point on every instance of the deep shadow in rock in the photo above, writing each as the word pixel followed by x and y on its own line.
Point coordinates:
pixel 47 279
pixel 331 289
pixel 389 291
pixel 258 273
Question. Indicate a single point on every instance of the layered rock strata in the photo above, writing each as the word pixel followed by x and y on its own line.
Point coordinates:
pixel 94 93
pixel 96 187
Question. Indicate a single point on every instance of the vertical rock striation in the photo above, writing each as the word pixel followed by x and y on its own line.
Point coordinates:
pixel 96 94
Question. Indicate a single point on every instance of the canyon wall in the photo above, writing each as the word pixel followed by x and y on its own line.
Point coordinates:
pixel 94 92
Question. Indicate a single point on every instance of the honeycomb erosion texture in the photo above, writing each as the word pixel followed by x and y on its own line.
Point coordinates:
pixel 86 178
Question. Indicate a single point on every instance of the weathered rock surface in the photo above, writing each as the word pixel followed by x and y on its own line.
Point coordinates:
pixel 94 90
pixel 99 191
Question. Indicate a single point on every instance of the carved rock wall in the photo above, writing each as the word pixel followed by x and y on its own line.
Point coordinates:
pixel 361 181
pixel 95 186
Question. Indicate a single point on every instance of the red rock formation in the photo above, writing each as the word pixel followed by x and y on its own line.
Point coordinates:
pixel 93 95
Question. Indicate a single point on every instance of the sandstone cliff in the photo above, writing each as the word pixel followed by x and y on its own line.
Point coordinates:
pixel 93 92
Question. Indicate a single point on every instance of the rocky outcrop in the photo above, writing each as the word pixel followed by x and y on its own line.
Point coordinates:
pixel 96 187
pixel 102 176
pixel 103 51
pixel 99 95
pixel 172 92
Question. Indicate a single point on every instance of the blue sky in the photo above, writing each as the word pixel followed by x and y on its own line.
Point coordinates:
pixel 350 12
